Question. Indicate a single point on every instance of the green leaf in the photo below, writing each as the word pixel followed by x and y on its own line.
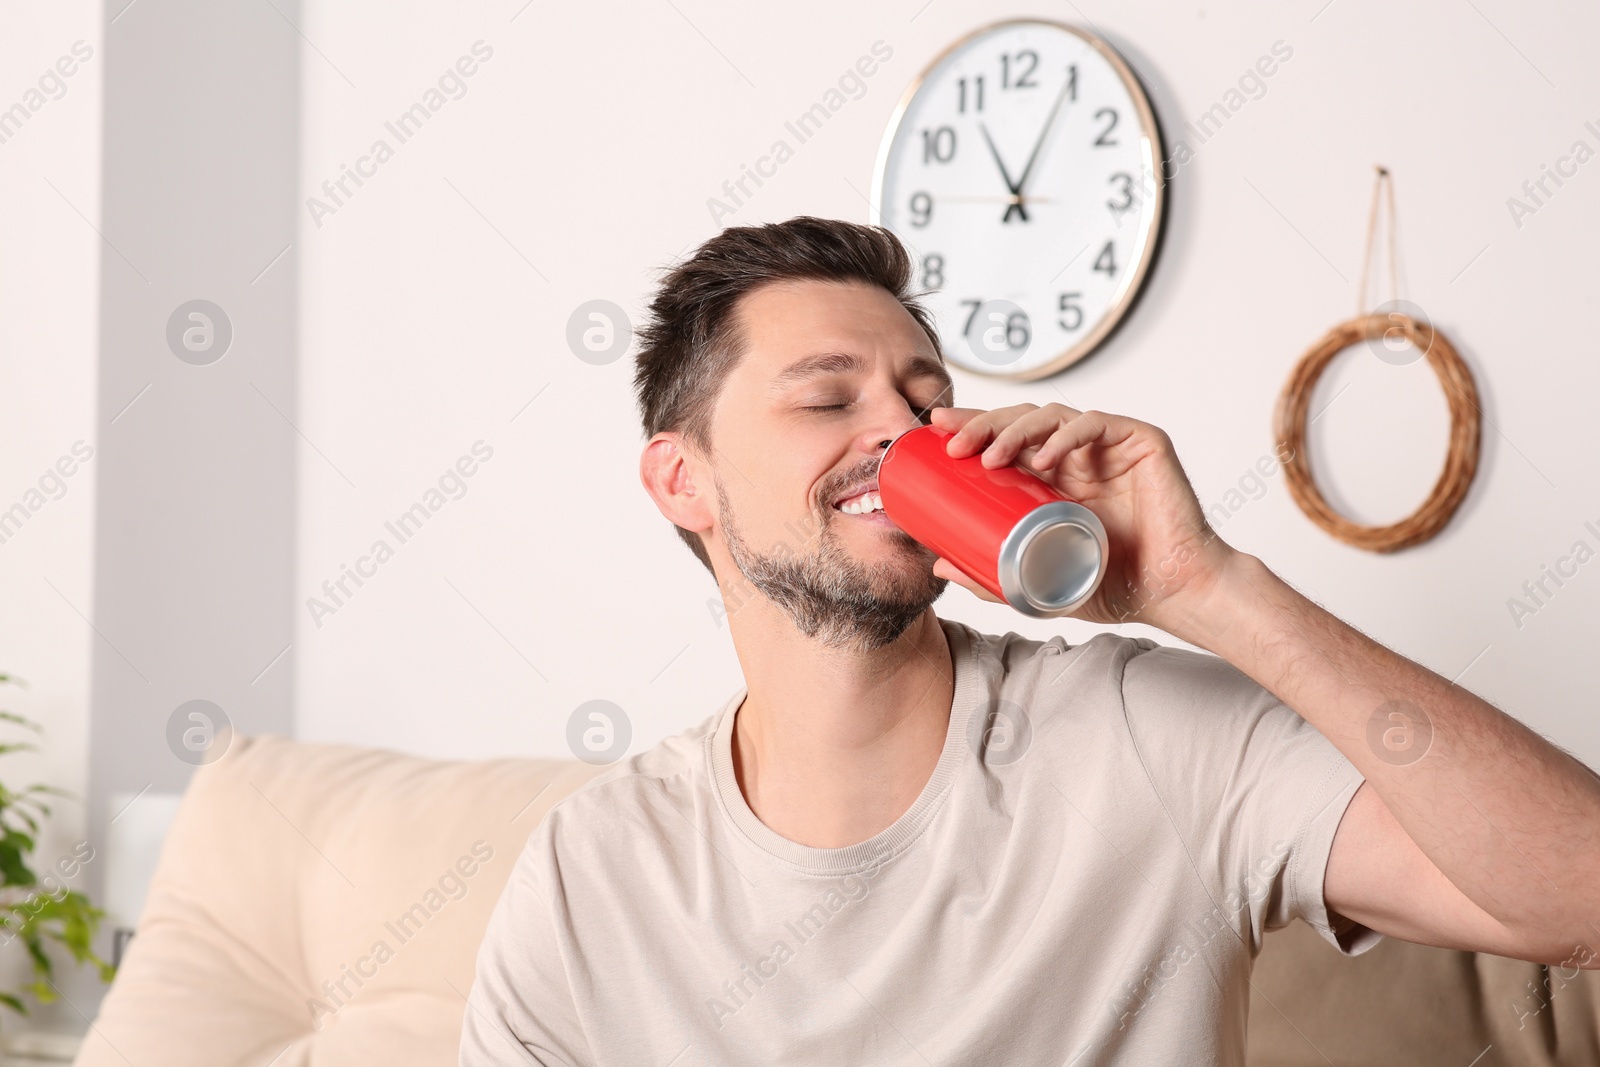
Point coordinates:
pixel 14 847
pixel 27 912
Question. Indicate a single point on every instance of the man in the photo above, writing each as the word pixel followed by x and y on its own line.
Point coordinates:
pixel 905 841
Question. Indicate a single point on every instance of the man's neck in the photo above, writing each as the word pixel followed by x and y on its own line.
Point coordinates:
pixel 831 747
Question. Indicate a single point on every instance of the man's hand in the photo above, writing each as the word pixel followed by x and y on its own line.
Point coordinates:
pixel 1164 556
pixel 1483 840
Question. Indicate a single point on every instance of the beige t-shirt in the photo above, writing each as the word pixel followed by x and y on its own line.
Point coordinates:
pixel 1085 879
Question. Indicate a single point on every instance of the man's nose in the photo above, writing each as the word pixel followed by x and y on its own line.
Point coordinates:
pixel 889 420
pixel 879 439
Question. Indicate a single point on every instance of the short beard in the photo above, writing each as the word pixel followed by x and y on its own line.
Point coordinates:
pixel 831 597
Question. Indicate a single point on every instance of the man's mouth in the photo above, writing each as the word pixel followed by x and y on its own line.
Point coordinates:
pixel 862 500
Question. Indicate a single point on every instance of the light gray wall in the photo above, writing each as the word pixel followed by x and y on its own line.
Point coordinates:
pixel 196 498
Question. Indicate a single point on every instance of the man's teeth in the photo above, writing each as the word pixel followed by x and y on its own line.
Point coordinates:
pixel 863 504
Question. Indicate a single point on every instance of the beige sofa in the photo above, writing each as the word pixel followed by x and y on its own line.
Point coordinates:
pixel 322 905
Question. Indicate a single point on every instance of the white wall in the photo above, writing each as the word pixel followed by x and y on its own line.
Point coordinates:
pixel 580 161
pixel 49 174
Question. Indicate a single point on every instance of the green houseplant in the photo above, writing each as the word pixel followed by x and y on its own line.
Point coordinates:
pixel 33 910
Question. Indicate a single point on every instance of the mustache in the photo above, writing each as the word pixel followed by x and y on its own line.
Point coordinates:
pixel 865 472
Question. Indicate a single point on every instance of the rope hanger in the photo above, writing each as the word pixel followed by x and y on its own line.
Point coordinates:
pixel 1383 183
pixel 1384 324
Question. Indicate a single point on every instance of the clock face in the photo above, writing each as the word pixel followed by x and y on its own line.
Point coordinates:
pixel 1022 171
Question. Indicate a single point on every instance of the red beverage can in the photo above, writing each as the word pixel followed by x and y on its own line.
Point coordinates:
pixel 1007 528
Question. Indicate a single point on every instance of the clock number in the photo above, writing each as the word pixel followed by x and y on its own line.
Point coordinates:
pixel 933 268
pixel 1070 310
pixel 938 145
pixel 1072 82
pixel 976 304
pixel 1127 192
pixel 977 94
pixel 1107 260
pixel 1023 75
pixel 921 209
pixel 1106 113
pixel 1016 330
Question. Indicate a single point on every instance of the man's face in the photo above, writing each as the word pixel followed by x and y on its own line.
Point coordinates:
pixel 830 372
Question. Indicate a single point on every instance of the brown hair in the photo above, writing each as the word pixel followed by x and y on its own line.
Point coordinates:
pixel 691 341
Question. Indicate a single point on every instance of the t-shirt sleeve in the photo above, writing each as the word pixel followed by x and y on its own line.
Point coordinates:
pixel 1255 791
pixel 520 1011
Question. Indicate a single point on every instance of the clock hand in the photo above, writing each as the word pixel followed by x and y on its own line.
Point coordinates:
pixel 1048 122
pixel 1014 202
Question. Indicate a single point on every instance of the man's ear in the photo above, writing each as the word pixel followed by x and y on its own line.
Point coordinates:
pixel 670 473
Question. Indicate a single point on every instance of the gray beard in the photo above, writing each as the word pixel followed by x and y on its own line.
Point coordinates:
pixel 832 597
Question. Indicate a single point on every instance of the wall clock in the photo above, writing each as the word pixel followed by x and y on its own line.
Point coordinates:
pixel 1023 171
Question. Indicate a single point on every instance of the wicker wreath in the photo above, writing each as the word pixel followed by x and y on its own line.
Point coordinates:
pixel 1461 393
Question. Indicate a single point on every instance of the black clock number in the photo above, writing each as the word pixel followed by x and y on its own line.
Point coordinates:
pixel 1126 180
pixel 1024 70
pixel 1072 82
pixel 938 146
pixel 1109 116
pixel 1017 335
pixel 921 209
pixel 1071 313
pixel 977 94
pixel 1106 262
pixel 967 326
pixel 933 271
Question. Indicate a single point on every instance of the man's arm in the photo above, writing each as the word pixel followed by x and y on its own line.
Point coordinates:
pixel 1471 830
pixel 1489 840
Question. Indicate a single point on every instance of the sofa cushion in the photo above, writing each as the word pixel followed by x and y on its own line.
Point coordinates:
pixel 1406 1005
pixel 321 904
